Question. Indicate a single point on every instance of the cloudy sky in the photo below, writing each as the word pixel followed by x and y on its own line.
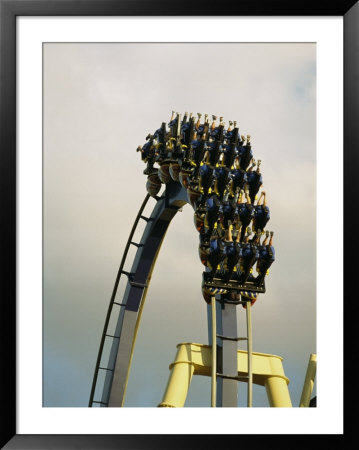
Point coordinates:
pixel 100 102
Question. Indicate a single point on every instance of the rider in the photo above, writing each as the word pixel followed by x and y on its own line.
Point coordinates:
pixel 266 257
pixel 261 213
pixel 254 179
pixel 245 211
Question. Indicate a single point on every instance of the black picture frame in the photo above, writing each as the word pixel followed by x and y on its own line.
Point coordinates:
pixel 9 10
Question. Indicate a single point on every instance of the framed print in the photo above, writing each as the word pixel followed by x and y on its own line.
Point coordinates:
pixel 84 85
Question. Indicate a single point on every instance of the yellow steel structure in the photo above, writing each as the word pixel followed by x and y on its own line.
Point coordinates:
pixel 309 381
pixel 196 359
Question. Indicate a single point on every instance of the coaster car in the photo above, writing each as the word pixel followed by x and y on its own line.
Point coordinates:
pixel 216 285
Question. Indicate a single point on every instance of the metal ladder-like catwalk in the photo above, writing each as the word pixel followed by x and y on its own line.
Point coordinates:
pixel 105 333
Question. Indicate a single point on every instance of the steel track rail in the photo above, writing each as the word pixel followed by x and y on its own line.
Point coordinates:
pixel 118 366
pixel 112 300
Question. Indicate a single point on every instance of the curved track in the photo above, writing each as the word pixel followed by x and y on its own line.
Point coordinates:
pixel 123 341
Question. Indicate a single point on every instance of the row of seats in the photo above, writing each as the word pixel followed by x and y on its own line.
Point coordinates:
pixel 215 165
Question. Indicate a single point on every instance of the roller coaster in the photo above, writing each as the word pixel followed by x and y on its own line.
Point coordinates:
pixel 211 167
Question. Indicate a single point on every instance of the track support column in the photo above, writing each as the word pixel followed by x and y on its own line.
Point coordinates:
pixel 226 325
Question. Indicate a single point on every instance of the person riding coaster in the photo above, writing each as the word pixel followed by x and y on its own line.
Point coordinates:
pixel 261 213
pixel 245 211
pixel 214 150
pixel 249 257
pixel 187 130
pixel 238 176
pixel 205 177
pixel 254 179
pixel 245 152
pixel 228 212
pixel 266 257
pixel 216 133
pixel 229 147
pixel 215 255
pixel 212 213
pixel 202 128
pixel 232 252
pixel 197 150
pixel 221 180
pixel 204 242
pixel 148 153
pixel 161 135
pixel 174 124
pixel 232 135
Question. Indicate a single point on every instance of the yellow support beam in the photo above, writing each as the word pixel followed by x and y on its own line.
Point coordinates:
pixel 196 359
pixel 309 381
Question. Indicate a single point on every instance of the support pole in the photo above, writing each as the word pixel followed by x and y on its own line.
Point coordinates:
pixel 309 381
pixel 227 388
pixel 214 353
pixel 250 350
pixel 180 379
pixel 277 392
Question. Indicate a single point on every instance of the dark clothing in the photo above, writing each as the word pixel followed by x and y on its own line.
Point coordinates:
pixel 255 181
pixel 246 155
pixel 232 253
pixel 245 212
pixel 215 254
pixel 221 175
pixel 206 177
pixel 229 211
pixel 250 255
pixel 229 154
pixel 261 217
pixel 197 151
pixel 239 178
pixel 265 260
pixel 211 217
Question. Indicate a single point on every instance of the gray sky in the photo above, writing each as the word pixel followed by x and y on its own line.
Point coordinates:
pixel 100 101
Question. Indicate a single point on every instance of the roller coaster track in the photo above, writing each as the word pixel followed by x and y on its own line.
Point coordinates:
pixel 128 319
pixel 212 173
